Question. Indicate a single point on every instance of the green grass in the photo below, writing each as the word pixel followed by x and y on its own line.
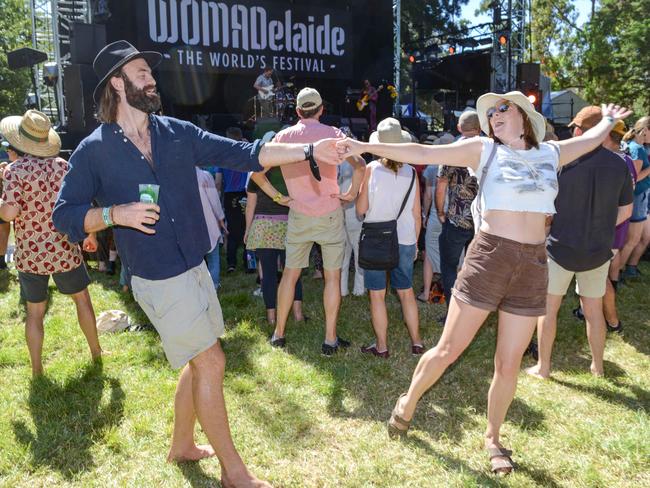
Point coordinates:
pixel 301 420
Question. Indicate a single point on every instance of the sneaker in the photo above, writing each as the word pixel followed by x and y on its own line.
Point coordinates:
pixel 616 330
pixel 257 292
pixel 331 350
pixel 231 269
pixel 417 349
pixel 631 272
pixel 372 349
pixel 577 313
pixel 279 342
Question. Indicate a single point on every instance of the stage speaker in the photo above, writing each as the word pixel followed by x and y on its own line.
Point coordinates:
pixel 86 40
pixel 262 126
pixel 359 127
pixel 415 124
pixel 25 57
pixel 528 75
pixel 79 81
pixel 329 119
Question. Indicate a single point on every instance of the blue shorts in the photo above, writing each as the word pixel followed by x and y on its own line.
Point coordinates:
pixel 640 209
pixel 401 278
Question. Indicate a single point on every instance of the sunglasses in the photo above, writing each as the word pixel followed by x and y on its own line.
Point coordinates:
pixel 501 108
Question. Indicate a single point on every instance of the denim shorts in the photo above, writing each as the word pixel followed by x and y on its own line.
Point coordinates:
pixel 401 278
pixel 640 209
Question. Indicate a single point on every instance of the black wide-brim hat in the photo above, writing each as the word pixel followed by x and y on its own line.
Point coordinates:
pixel 113 57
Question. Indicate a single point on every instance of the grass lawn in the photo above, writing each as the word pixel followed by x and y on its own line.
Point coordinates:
pixel 302 420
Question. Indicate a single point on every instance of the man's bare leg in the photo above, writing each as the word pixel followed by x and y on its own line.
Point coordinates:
pixel 207 393
pixel 34 335
pixel 183 447
pixel 87 322
pixel 596 332
pixel 331 302
pixel 546 328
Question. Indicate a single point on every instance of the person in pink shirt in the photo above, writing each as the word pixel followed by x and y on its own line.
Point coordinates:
pixel 315 216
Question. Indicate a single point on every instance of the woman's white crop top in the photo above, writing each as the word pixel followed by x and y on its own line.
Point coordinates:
pixel 519 180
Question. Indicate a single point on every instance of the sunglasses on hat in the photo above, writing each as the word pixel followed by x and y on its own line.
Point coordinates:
pixel 501 108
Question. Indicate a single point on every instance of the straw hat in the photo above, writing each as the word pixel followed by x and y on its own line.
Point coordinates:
pixel 32 134
pixel 488 100
pixel 389 130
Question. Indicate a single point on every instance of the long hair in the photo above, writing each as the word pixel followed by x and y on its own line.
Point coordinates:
pixel 529 133
pixel 642 123
pixel 394 166
pixel 108 103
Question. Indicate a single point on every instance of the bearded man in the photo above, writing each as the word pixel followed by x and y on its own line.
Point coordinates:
pixel 163 238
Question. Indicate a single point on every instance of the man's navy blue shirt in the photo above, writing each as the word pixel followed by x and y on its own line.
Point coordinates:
pixel 108 168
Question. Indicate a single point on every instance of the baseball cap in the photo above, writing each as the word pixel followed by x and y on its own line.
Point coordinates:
pixel 309 98
pixel 587 118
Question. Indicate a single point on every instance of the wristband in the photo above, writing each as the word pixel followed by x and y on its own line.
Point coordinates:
pixel 277 198
pixel 610 119
pixel 106 216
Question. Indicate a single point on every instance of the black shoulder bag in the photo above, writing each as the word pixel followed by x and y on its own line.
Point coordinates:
pixel 378 242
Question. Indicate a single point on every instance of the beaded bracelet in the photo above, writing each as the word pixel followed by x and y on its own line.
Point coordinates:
pixel 106 216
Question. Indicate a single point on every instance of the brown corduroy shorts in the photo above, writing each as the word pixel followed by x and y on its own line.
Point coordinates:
pixel 502 274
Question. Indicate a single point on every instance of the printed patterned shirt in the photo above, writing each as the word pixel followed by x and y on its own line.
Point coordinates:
pixel 461 191
pixel 32 185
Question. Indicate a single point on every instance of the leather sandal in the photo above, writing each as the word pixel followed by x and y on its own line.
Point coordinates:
pixel 502 466
pixel 397 426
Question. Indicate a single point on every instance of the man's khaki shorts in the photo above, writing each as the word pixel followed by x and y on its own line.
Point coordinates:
pixel 184 310
pixel 589 284
pixel 304 230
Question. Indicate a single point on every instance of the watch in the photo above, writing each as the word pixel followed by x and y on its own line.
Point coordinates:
pixel 307 150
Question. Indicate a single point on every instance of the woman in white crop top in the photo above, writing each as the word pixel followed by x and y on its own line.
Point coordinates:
pixel 505 267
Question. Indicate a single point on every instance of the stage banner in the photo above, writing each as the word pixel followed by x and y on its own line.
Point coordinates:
pixel 245 36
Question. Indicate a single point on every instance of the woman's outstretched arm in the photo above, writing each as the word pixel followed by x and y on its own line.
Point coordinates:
pixel 572 149
pixel 462 153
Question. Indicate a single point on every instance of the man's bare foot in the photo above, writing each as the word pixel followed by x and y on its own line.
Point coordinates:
pixel 195 453
pixel 598 372
pixel 537 372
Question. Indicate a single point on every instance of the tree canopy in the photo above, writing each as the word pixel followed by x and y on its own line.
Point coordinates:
pixel 15 32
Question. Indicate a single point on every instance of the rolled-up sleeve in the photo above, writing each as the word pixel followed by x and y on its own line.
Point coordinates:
pixel 213 150
pixel 77 192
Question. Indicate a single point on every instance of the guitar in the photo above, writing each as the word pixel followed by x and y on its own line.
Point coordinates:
pixel 365 99
pixel 269 93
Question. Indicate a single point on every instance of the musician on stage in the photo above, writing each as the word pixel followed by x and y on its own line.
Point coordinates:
pixel 264 86
pixel 372 93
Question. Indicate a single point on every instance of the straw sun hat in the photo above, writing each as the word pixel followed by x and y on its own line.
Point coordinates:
pixel 32 134
pixel 488 100
pixel 389 130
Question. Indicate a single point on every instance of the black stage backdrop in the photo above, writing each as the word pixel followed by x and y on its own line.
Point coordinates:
pixel 214 50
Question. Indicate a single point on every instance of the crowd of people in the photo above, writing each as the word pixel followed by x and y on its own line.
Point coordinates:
pixel 505 216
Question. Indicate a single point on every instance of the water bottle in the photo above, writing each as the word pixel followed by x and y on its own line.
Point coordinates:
pixel 251 261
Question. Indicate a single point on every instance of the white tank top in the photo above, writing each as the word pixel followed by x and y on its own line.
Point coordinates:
pixel 386 192
pixel 519 180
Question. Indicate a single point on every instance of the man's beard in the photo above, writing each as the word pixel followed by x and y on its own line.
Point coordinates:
pixel 139 99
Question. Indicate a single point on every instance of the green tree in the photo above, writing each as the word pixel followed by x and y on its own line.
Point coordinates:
pixel 15 32
pixel 616 63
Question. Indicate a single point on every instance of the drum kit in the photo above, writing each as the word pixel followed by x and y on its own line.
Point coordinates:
pixel 278 103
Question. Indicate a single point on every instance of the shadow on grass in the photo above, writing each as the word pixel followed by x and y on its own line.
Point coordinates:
pixel 482 478
pixel 197 477
pixel 69 418
pixel 632 397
